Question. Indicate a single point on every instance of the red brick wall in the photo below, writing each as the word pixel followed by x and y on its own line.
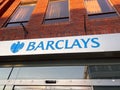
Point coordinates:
pixel 79 23
pixel 11 33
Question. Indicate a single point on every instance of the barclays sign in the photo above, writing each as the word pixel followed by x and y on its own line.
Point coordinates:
pixel 73 44
pixel 56 44
pixel 64 44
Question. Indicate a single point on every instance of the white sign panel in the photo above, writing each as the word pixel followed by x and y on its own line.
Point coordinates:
pixel 73 44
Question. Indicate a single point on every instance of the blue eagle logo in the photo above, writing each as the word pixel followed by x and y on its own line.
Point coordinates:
pixel 15 47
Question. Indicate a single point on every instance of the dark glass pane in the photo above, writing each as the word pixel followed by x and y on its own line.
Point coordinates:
pixel 57 9
pixel 103 16
pixel 15 24
pixel 98 6
pixel 106 88
pixel 116 68
pixel 23 13
pixel 104 72
pixel 56 21
pixel 105 6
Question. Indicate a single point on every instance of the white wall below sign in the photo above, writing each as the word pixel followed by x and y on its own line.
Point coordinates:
pixel 72 44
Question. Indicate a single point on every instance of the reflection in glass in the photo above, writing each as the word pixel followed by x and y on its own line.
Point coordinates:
pixel 57 11
pixel 90 72
pixel 104 72
pixel 103 15
pixel 99 9
pixel 16 24
pixel 56 20
pixel 63 72
pixel 4 74
pixel 21 15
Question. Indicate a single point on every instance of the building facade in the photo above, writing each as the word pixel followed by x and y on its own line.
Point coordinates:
pixel 58 41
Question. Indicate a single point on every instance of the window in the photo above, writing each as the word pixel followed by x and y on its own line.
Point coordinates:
pixel 99 8
pixel 21 16
pixel 4 75
pixel 108 71
pixel 57 11
pixel 37 76
pixel 55 72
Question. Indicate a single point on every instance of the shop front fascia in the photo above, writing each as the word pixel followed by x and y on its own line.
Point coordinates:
pixel 73 50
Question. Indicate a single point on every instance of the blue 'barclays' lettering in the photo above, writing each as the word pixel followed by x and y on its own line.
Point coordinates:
pixel 31 46
pixel 64 44
pixel 95 43
pixel 40 45
pixel 76 43
pixel 85 42
pixel 58 43
pixel 50 44
pixel 67 46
